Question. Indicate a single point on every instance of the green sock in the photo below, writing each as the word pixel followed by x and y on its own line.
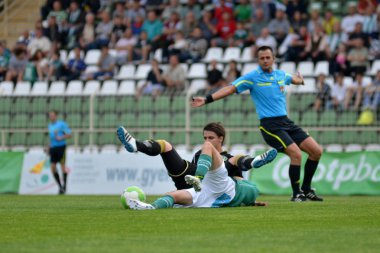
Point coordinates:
pixel 164 202
pixel 203 165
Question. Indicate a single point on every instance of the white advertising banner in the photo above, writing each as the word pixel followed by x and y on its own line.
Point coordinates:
pixel 98 174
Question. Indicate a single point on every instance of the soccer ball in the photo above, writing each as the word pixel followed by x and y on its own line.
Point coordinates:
pixel 132 192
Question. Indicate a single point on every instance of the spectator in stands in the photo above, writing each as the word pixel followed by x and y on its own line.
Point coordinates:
pixel 173 6
pixel 329 21
pixel 208 25
pixel 180 46
pixel 106 65
pixel 52 32
pixel 142 48
pixel 215 79
pixel 153 84
pixel 124 47
pixel 356 91
pixel 136 25
pixel 194 7
pixel 117 31
pixel 372 94
pixel 221 9
pixel 260 4
pixel 243 12
pixel 59 13
pixel 322 100
pixel 171 26
pixel 87 37
pixel 349 21
pixel 174 77
pixel 358 57
pixel 294 45
pixel 364 5
pixel 339 63
pixel 225 30
pixel 370 23
pixel 40 63
pixel 259 23
pixel 334 39
pixel 75 67
pixel 75 20
pixel 316 44
pixel 240 35
pixel 297 22
pixel 91 5
pixel 17 64
pixel 338 92
pixel 358 34
pixel 315 20
pixel 232 72
pixel 197 47
pixel 119 10
pixel 54 67
pixel 279 27
pixel 265 39
pixel 4 62
pixel 154 28
pixel 296 6
pixel 30 72
pixel 24 39
pixel 103 31
pixel 40 42
pixel 189 24
pixel 134 10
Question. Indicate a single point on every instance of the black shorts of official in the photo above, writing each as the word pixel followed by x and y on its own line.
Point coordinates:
pixel 280 132
pixel 178 168
pixel 57 154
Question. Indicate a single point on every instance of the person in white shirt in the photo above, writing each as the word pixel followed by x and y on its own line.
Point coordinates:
pixel 124 47
pixel 338 91
pixel 349 21
pixel 356 90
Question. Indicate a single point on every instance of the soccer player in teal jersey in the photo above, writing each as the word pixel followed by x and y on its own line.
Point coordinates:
pixel 266 87
pixel 59 131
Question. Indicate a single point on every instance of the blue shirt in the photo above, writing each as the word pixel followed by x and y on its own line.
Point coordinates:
pixel 267 91
pixel 58 129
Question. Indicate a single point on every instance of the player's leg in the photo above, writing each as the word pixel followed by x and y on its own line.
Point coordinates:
pixel 54 159
pixel 181 197
pixel 246 162
pixel 314 150
pixel 64 169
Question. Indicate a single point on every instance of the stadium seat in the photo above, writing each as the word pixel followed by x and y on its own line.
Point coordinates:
pixel 334 148
pixel 198 119
pixel 366 137
pixel 38 138
pixel 322 67
pixel 288 67
pixel 109 87
pixel 71 55
pixel 178 120
pixel 185 67
pixel 197 70
pixel 91 87
pixel 346 118
pixel 158 54
pixel 74 88
pixel 22 89
pixel 6 104
pixel 73 104
pixel 179 138
pixel 246 56
pixel 231 53
pixel 107 138
pixel 235 119
pixel 248 67
pixel 92 56
pixel 233 103
pixel 162 103
pixel 57 88
pixel 179 104
pixel 162 119
pixel 353 148
pixel 39 89
pixel 375 67
pixel 307 88
pixel 63 55
pixel 196 85
pixel 129 119
pixel 219 66
pixel 306 68
pixel 142 71
pixel 237 137
pixel 349 137
pixel 57 103
pixel 328 137
pixel 4 120
pixel 217 106
pixel 107 120
pixel 90 70
pixel 6 88
pixel 17 139
pixel 144 104
pixel 126 72
pixel 106 104
pixel 22 105
pixel 127 88
pixel 145 119
pixel 39 120
pixel 214 53
pixel 372 147
pixel 327 118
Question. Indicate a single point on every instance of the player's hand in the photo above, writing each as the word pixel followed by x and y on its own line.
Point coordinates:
pixel 302 82
pixel 197 101
pixel 59 138
pixel 261 204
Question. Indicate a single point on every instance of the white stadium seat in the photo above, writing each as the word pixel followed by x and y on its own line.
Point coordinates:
pixel 308 87
pixel 126 72
pixel 248 67
pixel 57 88
pixel 74 87
pixel 92 56
pixel 375 67
pixel 231 53
pixel 71 55
pixel 372 147
pixel 213 53
pixel 322 67
pixel 185 67
pixel 39 89
pixel 353 148
pixel 90 70
pixel 197 70
pixel 6 88
pixel 219 66
pixel 63 55
pixel 127 88
pixel 306 68
pixel 288 67
pixel 246 56
pixel 91 87
pixel 22 89
pixel 196 85
pixel 158 55
pixel 334 148
pixel 142 71
pixel 109 87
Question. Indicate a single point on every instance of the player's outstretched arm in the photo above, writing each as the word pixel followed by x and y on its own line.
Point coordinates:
pixel 297 79
pixel 224 92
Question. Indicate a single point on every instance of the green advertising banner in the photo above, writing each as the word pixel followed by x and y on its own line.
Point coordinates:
pixel 10 171
pixel 337 174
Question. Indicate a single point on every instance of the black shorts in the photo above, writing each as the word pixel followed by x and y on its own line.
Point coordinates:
pixel 280 132
pixel 57 154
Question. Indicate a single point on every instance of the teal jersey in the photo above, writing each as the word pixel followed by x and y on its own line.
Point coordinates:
pixel 58 129
pixel 246 194
pixel 267 91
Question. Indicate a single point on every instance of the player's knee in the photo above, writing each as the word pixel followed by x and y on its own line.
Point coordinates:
pixel 207 145
pixel 317 153
pixel 296 156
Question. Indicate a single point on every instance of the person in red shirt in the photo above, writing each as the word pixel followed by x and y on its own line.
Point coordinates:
pixel 222 8
pixel 225 29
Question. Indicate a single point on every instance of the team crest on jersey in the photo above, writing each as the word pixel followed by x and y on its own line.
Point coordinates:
pixel 224 158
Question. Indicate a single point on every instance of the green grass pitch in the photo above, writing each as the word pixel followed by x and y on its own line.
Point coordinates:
pixel 99 224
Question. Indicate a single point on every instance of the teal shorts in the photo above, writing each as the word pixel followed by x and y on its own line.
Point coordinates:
pixel 245 193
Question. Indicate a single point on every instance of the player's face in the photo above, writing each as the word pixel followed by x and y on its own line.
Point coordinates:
pixel 266 59
pixel 52 116
pixel 212 137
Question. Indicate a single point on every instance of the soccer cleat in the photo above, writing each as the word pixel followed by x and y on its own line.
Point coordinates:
pixel 264 158
pixel 310 195
pixel 61 191
pixel 299 197
pixel 194 181
pixel 135 204
pixel 127 139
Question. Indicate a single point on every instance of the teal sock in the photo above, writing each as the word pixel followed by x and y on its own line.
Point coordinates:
pixel 203 165
pixel 164 202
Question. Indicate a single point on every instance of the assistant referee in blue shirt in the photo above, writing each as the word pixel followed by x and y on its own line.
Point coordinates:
pixel 59 131
pixel 267 89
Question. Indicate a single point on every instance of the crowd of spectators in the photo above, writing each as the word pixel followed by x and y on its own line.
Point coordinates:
pixel 135 29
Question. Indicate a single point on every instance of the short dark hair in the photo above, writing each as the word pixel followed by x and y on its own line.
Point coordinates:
pixel 217 128
pixel 263 48
pixel 54 111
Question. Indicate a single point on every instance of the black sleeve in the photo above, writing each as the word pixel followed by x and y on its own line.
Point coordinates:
pixel 233 171
pixel 196 157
